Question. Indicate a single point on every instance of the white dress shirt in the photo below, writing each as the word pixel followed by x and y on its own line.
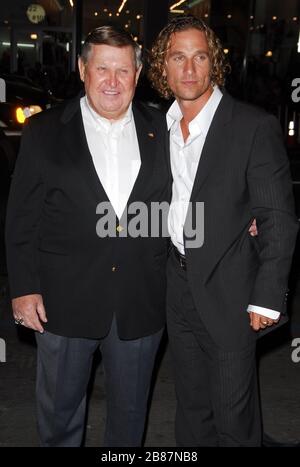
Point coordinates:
pixel 115 152
pixel 185 157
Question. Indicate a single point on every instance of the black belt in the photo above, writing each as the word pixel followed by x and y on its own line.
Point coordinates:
pixel 180 258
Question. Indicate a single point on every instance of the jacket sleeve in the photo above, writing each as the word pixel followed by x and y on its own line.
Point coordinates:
pixel 23 216
pixel 272 203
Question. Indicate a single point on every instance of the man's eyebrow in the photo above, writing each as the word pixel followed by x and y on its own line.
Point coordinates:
pixel 175 52
pixel 178 52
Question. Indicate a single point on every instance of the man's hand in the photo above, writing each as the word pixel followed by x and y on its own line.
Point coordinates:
pixel 258 322
pixel 29 310
pixel 253 229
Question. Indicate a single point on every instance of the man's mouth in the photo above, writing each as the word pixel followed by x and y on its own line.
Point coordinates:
pixel 189 82
pixel 110 93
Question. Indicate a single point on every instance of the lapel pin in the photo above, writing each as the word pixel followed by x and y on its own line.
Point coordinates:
pixel 151 135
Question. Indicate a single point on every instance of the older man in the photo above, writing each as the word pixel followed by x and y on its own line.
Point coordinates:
pixel 75 286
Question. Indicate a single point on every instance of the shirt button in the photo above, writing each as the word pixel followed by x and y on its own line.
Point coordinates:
pixel 114 269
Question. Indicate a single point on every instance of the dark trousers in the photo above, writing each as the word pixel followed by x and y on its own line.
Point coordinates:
pixel 216 389
pixel 63 372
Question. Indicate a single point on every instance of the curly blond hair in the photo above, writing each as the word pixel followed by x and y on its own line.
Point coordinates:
pixel 158 52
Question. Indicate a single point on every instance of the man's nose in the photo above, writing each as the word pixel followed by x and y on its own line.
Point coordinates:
pixel 189 66
pixel 112 78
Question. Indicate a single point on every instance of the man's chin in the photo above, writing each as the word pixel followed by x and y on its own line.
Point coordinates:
pixel 188 96
pixel 112 113
pixel 111 110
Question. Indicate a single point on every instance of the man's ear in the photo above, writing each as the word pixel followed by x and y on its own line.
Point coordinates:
pixel 137 73
pixel 81 67
pixel 164 73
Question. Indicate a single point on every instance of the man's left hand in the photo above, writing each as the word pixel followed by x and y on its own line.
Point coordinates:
pixel 258 322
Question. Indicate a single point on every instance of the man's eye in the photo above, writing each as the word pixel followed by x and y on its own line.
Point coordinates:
pixel 179 58
pixel 124 71
pixel 101 68
pixel 201 57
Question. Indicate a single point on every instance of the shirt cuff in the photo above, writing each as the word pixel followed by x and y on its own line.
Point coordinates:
pixel 272 314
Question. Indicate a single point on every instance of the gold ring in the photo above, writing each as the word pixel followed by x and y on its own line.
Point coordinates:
pixel 19 320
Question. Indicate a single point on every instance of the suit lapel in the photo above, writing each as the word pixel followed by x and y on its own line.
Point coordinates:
pixel 147 140
pixel 215 141
pixel 76 143
pixel 167 143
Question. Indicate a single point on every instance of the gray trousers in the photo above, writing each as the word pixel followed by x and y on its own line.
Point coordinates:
pixel 63 372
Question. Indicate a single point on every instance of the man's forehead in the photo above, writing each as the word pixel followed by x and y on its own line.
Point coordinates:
pixel 189 38
pixel 112 50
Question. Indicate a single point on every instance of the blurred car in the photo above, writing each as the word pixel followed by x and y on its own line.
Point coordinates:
pixel 22 99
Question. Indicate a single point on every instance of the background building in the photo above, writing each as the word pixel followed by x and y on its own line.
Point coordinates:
pixel 41 41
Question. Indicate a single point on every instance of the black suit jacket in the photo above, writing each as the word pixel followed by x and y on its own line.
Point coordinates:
pixel 243 174
pixel 52 245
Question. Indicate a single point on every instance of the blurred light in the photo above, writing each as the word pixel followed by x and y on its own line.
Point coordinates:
pixel 206 15
pixel 295 18
pixel 226 51
pixel 177 11
pixel 172 7
pixel 67 46
pixel 33 109
pixel 117 14
pixel 109 14
pixel 274 18
pixel 251 17
pixel 20 44
pixel 126 26
pixel 127 12
pixel 135 38
pixel 291 128
pixel 71 3
pixel 194 3
pixel 298 49
pixel 25 112
pixel 138 16
pixel 269 53
pixel 96 14
pixel 29 46
pixel 229 16
pixel 5 21
pixel 20 115
pixel 33 36
pixel 122 6
pixel 105 10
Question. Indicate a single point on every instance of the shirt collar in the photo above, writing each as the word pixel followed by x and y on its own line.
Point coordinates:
pixel 104 122
pixel 202 121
